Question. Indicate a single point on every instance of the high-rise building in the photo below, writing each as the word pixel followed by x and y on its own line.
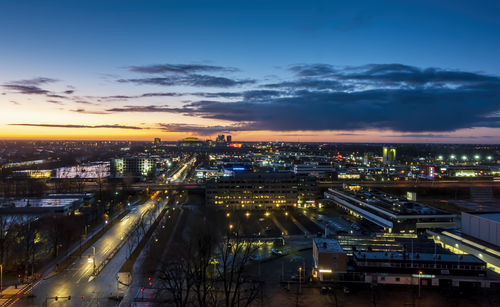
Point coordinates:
pixel 389 154
pixel 157 141
pixel 220 138
pixel 229 139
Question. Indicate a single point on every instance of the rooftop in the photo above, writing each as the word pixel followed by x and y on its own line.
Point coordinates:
pixel 385 256
pixel 491 216
pixel 328 245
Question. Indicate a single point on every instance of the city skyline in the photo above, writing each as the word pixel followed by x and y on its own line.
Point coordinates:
pixel 415 72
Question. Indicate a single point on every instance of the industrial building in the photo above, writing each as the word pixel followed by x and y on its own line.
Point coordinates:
pixel 314 169
pixel 328 258
pixel 261 191
pixel 389 212
pixel 479 236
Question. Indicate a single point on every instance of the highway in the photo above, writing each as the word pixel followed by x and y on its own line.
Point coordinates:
pixel 77 280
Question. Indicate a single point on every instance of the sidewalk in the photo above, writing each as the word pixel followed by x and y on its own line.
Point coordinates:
pixel 11 295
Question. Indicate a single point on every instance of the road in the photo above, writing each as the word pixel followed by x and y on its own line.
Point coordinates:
pixel 76 280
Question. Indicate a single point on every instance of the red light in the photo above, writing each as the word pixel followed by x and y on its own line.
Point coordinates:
pixel 149 278
pixel 235 145
pixel 81 297
pixel 339 156
pixel 19 275
pixel 150 284
pixel 142 289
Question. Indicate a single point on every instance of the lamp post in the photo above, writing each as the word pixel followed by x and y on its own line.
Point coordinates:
pixel 300 279
pixel 419 276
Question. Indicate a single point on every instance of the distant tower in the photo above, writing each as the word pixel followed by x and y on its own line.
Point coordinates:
pixel 389 154
pixel 220 138
pixel 157 141
pixel 229 139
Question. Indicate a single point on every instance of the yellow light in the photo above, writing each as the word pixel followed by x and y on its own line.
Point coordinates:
pixel 267 214
pixel 286 213
pixel 247 214
pixel 325 271
pixel 228 215
pixel 230 226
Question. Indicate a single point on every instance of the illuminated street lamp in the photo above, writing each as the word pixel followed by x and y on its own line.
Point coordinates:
pixel 476 157
pixel 489 158
pixel 464 158
pixel 453 157
pixel 419 276
pixel 440 157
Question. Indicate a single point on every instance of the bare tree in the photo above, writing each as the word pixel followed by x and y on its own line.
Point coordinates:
pixel 211 270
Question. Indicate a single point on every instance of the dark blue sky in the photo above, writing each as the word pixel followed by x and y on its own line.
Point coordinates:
pixel 89 45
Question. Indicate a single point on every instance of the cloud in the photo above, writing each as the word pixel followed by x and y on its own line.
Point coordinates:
pixel 180 68
pixel 35 81
pixel 145 95
pixel 84 111
pixel 26 89
pixel 200 130
pixel 32 87
pixel 377 96
pixel 190 80
pixel 116 126
pixel 55 102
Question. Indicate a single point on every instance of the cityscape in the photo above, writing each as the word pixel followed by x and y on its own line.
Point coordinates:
pixel 249 153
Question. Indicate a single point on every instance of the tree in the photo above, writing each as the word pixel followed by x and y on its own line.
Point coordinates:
pixel 211 269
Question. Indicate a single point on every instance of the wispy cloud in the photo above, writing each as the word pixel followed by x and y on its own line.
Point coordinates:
pixel 180 68
pixel 116 126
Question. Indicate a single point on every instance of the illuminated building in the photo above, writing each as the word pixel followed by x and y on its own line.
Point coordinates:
pixel 33 174
pixel 191 142
pixel 157 141
pixel 220 139
pixel 389 154
pixel 261 191
pixel 413 263
pixel 328 258
pixel 86 171
pixel 314 169
pixel 229 139
pixel 136 167
pixel 390 213
pixel 479 236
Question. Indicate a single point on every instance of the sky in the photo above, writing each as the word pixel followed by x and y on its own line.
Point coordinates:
pixel 320 71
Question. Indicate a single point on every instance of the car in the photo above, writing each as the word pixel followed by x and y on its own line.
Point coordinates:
pixel 324 290
pixel 276 252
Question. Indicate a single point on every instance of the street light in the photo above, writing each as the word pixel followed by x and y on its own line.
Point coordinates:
pixel 300 279
pixel 419 276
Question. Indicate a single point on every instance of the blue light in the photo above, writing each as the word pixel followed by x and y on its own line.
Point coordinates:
pixel 238 168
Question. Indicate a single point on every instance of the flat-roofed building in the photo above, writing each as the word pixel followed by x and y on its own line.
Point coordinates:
pixel 483 226
pixel 261 191
pixel 314 169
pixel 328 257
pixel 389 212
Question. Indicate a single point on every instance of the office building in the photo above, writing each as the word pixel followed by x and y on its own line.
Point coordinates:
pixel 229 139
pixel 261 191
pixel 141 167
